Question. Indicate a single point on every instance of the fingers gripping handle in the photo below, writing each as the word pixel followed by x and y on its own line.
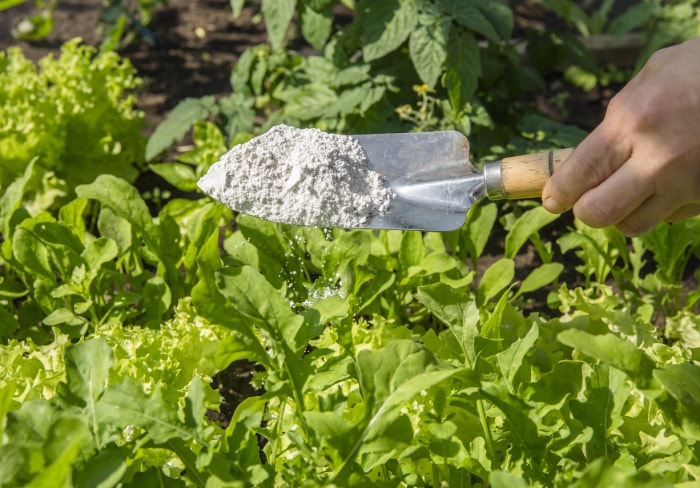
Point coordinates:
pixel 522 176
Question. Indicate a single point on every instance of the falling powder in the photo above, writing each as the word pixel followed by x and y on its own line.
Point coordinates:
pixel 299 176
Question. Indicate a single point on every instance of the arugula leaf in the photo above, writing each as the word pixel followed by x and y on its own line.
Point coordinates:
pixel 525 226
pixel 495 279
pixel 254 297
pixel 614 351
pixel 460 314
pixel 511 359
pixel 121 198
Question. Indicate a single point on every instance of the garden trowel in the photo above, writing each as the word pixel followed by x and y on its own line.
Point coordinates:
pixel 435 184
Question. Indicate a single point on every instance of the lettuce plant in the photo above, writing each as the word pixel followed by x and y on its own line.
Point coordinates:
pixel 75 114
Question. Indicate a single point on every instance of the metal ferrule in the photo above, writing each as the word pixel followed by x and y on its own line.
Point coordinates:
pixel 493 181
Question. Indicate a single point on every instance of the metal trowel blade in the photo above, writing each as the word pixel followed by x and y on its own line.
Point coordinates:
pixel 433 182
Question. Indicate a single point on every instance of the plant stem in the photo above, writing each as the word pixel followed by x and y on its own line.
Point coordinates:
pixel 485 427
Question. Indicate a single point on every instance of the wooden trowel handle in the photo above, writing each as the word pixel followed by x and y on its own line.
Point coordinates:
pixel 522 176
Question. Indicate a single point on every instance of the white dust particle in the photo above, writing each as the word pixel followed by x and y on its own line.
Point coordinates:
pixel 299 176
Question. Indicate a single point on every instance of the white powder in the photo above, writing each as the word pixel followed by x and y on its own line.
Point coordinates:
pixel 299 176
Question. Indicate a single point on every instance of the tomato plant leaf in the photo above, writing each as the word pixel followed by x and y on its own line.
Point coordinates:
pixel 316 24
pixel 278 14
pixel 499 14
pixel 386 25
pixel 236 7
pixel 427 46
pixel 471 16
pixel 463 69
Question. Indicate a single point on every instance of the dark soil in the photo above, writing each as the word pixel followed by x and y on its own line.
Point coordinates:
pixel 193 47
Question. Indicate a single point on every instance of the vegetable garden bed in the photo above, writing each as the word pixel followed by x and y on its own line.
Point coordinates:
pixel 150 337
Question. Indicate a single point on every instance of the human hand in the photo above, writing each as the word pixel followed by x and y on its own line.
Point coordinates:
pixel 641 165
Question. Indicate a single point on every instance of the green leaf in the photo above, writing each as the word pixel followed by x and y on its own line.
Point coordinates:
pixel 347 247
pixel 480 221
pixel 58 473
pixel 5 4
pixel 500 15
pixel 99 252
pixel 523 430
pixel 277 14
pixel 105 469
pixel 241 345
pixel 471 16
pixel 178 122
pixel 502 479
pixel 309 101
pixel 612 350
pixel 32 253
pixel 120 197
pixel 8 325
pixel 331 427
pixel 236 7
pixel 254 297
pixel 456 310
pixel 682 381
pixel 526 225
pixel 427 46
pixel 61 316
pixel 510 360
pixel 195 410
pixel 116 228
pixel 491 329
pixel 12 197
pixel 540 277
pixel 181 176
pixel 386 25
pixel 157 298
pixel 389 378
pixel 87 371
pixel 412 250
pixel 207 299
pixel 462 71
pixel 316 25
pixel 126 404
pixel 495 279
pixel 35 27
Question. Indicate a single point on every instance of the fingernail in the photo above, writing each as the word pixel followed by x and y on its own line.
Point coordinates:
pixel 553 205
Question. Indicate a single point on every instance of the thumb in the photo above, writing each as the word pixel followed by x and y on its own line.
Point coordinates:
pixel 592 162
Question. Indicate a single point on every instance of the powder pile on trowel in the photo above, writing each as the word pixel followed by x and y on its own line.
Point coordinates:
pixel 299 176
